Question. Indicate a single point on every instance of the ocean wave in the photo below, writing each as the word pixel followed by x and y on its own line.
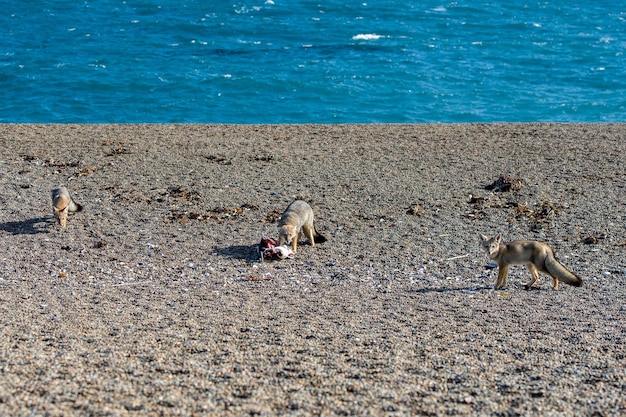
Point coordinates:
pixel 366 37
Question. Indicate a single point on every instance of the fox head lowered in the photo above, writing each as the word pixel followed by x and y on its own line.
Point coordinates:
pixel 286 234
pixel 62 203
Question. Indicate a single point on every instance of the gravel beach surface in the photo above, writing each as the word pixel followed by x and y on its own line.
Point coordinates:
pixel 153 300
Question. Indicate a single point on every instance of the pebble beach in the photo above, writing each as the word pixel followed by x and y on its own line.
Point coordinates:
pixel 153 299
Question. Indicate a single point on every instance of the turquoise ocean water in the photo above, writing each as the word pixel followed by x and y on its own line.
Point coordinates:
pixel 275 61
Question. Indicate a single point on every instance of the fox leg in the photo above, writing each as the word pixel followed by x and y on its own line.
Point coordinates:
pixel 62 216
pixel 556 283
pixel 308 231
pixel 533 272
pixel 294 243
pixel 503 271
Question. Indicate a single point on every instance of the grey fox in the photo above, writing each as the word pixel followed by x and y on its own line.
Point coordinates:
pixel 298 218
pixel 62 203
pixel 535 255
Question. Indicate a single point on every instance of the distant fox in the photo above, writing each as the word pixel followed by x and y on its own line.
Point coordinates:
pixel 535 255
pixel 62 203
pixel 298 218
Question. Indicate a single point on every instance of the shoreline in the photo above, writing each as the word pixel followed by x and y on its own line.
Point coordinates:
pixel 151 301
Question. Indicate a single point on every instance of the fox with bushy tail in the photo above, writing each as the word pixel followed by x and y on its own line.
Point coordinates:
pixel 535 255
pixel 62 204
pixel 296 221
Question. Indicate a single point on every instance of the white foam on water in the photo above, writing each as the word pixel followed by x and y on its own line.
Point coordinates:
pixel 366 37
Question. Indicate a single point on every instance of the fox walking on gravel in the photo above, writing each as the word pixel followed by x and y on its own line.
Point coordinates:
pixel 295 221
pixel 62 203
pixel 535 255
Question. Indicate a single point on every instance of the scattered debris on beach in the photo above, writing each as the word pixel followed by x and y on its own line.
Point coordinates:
pixel 416 210
pixel 539 216
pixel 505 184
pixel 262 158
pixel 478 205
pixel 251 277
pixel 219 159
pixel 273 216
pixel 218 213
pixel 29 158
pixel 184 192
pixel 85 171
pixel 120 149
pixel 593 238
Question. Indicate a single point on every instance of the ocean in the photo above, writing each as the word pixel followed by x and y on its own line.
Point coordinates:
pixel 275 61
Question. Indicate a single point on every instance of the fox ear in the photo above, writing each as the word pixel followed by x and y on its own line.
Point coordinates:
pixel 484 238
pixel 498 238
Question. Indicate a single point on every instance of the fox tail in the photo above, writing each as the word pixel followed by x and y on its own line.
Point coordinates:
pixel 74 206
pixel 318 238
pixel 557 270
